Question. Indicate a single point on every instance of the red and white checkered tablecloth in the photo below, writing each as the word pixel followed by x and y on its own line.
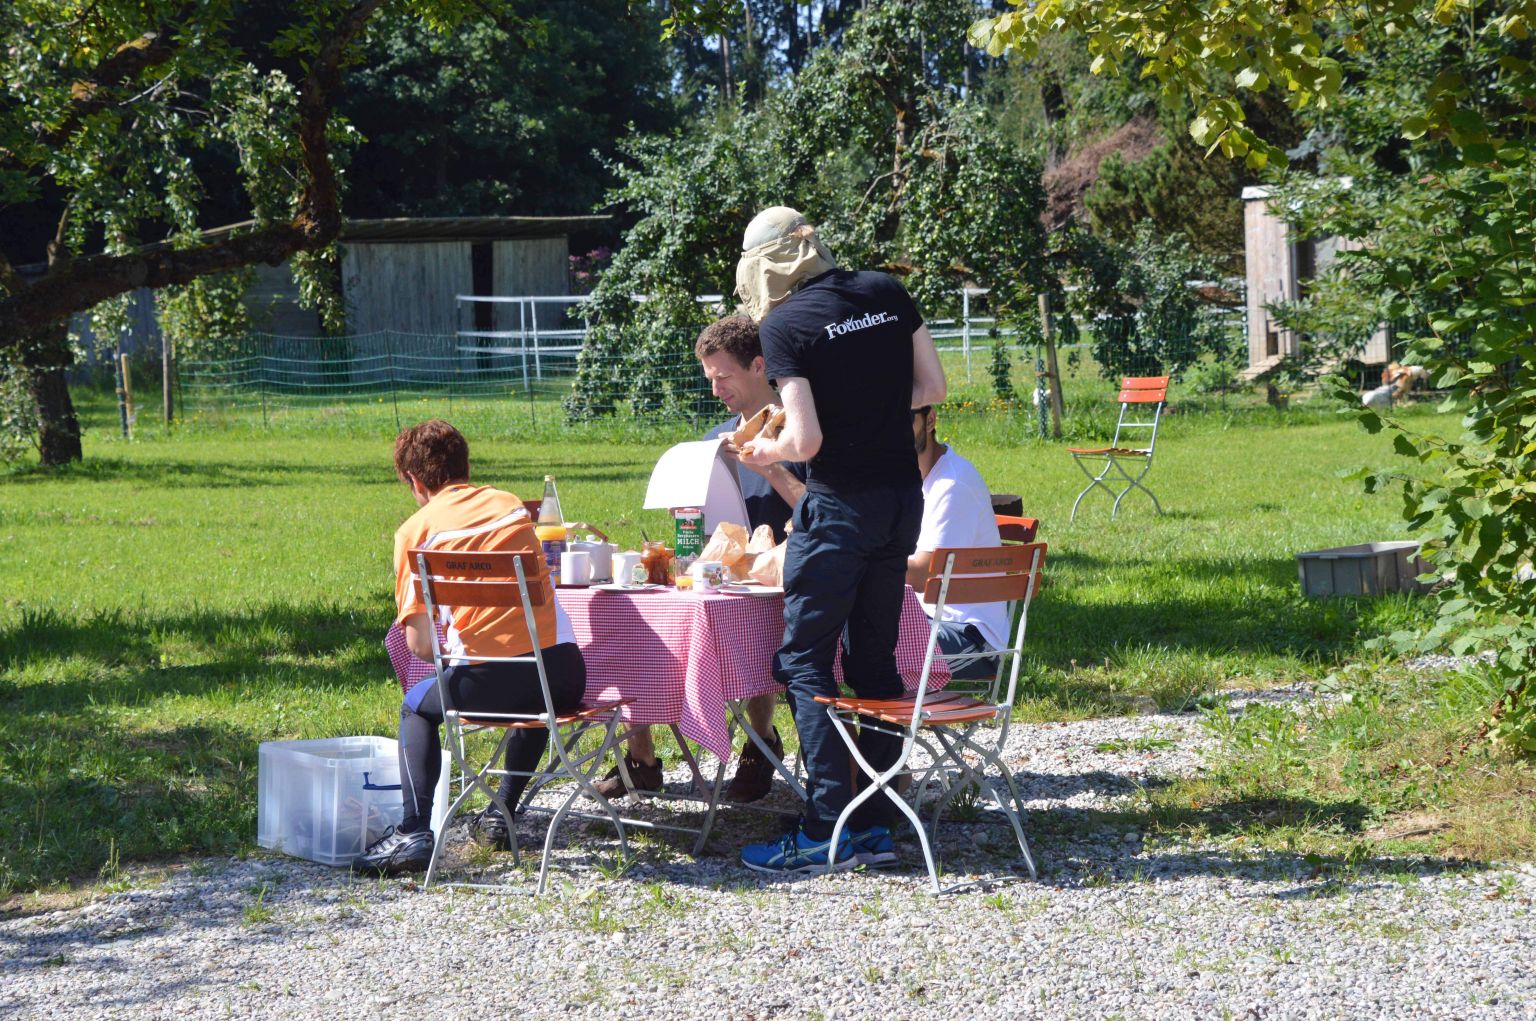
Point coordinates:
pixel 409 670
pixel 682 655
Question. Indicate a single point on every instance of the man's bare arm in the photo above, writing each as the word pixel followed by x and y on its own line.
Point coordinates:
pixel 800 439
pixel 418 636
pixel 917 570
pixel 928 385
pixel 783 481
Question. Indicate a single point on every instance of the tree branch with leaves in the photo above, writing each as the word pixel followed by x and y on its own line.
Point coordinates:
pixel 1424 109
pixel 111 150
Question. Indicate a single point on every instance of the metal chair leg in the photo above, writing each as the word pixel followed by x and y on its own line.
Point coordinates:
pixel 738 718
pixel 880 783
pixel 1093 481
pixel 583 785
pixel 1135 483
pixel 549 837
pixel 1014 817
pixel 1015 814
pixel 441 837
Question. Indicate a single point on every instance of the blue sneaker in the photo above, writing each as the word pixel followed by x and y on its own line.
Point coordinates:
pixel 873 847
pixel 795 854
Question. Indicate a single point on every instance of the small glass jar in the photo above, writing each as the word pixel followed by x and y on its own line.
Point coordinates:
pixel 656 557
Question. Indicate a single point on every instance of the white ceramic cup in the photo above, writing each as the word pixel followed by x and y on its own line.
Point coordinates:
pixel 624 565
pixel 575 567
pixel 601 554
pixel 708 575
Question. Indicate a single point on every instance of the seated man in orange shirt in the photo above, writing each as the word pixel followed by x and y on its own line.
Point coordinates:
pixel 433 459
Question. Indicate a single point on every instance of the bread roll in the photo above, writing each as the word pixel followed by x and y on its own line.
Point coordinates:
pixel 765 424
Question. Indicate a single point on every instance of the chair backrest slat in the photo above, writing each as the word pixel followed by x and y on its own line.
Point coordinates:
pixel 985 574
pixel 982 559
pixel 1003 588
pixel 1017 529
pixel 479 565
pixel 463 578
pixel 1143 389
pixel 465 594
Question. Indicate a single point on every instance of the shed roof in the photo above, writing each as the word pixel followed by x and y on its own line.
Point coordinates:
pixel 466 228
pixel 415 228
pixel 448 228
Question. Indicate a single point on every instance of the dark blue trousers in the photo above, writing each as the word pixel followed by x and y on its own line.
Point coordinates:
pixel 844 581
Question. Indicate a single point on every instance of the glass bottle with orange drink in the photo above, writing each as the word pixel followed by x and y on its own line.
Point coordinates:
pixel 550 529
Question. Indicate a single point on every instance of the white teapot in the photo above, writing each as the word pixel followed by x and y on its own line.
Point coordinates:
pixel 601 554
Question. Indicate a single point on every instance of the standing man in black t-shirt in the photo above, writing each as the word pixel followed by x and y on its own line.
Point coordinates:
pixel 851 358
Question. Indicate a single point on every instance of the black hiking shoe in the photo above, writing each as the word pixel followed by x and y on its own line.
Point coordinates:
pixel 489 829
pixel 395 852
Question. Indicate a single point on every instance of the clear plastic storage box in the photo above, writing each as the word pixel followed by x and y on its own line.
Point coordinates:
pixel 327 799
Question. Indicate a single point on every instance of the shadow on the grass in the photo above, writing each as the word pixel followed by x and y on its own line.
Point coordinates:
pixel 225 646
pixel 98 760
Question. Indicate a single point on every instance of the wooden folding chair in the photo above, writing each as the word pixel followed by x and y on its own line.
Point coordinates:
pixel 467 579
pixel 1135 391
pixel 948 725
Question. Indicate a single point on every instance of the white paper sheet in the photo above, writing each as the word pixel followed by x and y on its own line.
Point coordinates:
pixel 694 474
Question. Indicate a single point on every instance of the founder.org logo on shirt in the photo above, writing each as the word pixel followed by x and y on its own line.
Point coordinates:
pixel 859 323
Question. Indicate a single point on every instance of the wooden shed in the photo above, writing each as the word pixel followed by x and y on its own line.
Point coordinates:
pixel 405 274
pixel 1279 267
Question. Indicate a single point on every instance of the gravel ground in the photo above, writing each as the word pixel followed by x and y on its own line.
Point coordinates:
pixel 1114 928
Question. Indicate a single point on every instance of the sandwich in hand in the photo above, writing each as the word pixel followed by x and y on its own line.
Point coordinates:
pixel 764 425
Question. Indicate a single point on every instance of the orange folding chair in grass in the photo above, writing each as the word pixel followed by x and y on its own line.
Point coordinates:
pixel 1119 463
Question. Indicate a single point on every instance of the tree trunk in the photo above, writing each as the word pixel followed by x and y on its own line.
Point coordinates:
pixel 725 65
pixel 46 356
pixel 1053 102
pixel 792 51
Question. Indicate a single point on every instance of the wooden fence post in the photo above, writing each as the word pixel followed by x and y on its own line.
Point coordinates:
pixel 1048 332
pixel 127 399
pixel 167 376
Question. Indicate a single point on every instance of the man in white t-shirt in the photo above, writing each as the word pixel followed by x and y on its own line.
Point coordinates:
pixel 957 512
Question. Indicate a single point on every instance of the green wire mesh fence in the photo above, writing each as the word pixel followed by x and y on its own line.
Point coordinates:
pixel 382 381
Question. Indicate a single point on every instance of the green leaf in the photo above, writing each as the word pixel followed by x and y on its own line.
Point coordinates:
pixel 1478 152
pixel 1252 78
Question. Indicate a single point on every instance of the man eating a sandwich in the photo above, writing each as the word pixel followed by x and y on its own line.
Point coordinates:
pixel 732 359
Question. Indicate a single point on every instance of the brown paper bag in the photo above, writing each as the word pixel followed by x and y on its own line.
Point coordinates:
pixel 768 568
pixel 761 541
pixel 728 545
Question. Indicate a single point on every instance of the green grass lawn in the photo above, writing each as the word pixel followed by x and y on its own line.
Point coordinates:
pixel 178 599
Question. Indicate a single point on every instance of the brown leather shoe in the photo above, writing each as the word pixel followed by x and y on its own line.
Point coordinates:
pixel 754 773
pixel 645 778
